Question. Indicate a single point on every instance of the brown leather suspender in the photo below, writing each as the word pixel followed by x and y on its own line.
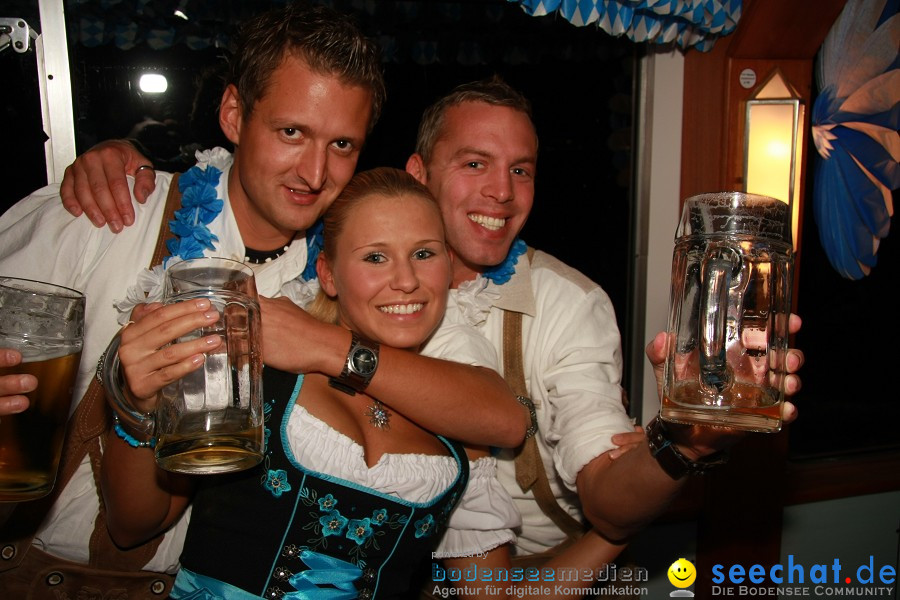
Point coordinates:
pixel 530 473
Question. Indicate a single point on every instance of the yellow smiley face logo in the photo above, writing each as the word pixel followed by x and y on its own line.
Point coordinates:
pixel 682 573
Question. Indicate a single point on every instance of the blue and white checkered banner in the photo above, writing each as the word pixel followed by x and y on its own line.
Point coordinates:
pixel 160 37
pixel 686 23
pixel 92 31
pixel 125 35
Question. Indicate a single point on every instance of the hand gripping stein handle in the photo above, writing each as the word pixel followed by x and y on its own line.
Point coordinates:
pixel 720 269
pixel 109 372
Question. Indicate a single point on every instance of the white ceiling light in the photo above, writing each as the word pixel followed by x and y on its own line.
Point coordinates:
pixel 153 83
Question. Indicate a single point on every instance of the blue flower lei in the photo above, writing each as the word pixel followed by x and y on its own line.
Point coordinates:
pixel 313 247
pixel 501 273
pixel 199 207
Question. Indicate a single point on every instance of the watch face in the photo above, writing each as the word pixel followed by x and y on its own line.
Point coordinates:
pixel 363 361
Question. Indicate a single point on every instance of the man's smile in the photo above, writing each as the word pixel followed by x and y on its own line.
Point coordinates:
pixel 492 223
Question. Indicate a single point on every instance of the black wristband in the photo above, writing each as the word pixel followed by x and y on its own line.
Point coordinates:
pixel 673 462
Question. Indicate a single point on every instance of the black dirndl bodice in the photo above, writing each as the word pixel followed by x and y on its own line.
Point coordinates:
pixel 280 527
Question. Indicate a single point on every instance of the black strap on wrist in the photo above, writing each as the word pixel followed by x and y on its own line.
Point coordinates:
pixel 673 462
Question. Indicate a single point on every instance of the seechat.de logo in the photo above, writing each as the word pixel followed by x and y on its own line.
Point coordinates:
pixel 799 579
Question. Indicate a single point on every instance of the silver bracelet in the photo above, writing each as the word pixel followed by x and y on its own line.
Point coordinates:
pixel 527 403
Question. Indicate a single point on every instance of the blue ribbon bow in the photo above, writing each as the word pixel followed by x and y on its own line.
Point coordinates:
pixel 324 570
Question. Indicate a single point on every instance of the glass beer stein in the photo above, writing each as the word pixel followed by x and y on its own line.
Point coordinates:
pixel 45 323
pixel 210 420
pixel 729 312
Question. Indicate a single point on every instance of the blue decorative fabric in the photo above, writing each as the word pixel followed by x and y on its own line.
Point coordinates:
pixel 501 273
pixel 686 23
pixel 199 207
pixel 855 120
pixel 324 570
pixel 313 248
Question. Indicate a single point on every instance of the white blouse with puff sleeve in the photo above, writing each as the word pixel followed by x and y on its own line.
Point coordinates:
pixel 485 516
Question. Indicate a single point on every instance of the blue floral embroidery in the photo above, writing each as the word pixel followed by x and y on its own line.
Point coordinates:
pixel 365 532
pixel 313 247
pixel 327 503
pixel 274 481
pixel 268 407
pixel 379 516
pixel 277 482
pixel 359 530
pixel 333 523
pixel 424 526
pixel 501 273
pixel 199 207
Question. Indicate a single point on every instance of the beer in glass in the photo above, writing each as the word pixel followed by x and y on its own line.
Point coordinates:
pixel 45 323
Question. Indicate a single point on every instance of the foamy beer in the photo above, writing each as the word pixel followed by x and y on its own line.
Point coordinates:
pixel 45 323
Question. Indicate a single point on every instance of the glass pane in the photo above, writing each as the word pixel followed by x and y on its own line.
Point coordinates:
pixel 20 119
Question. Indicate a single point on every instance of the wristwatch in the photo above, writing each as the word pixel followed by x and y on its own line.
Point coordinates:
pixel 673 462
pixel 362 361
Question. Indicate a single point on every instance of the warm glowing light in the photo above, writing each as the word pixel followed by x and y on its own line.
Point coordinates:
pixel 778 150
pixel 153 83
pixel 774 144
pixel 771 136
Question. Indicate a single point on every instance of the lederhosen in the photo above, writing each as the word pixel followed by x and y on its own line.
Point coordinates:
pixel 288 508
pixel 26 572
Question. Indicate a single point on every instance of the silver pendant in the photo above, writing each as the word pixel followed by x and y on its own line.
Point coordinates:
pixel 379 416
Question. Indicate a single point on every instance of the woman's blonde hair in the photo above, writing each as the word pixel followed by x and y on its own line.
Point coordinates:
pixel 381 181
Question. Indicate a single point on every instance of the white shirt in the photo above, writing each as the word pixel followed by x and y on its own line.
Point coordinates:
pixel 573 366
pixel 40 240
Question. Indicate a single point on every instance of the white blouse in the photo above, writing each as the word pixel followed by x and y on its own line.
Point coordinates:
pixel 483 519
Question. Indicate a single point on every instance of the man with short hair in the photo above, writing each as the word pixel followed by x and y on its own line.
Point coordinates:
pixel 477 152
pixel 304 91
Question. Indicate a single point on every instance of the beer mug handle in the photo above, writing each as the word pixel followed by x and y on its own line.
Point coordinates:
pixel 720 263
pixel 109 372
